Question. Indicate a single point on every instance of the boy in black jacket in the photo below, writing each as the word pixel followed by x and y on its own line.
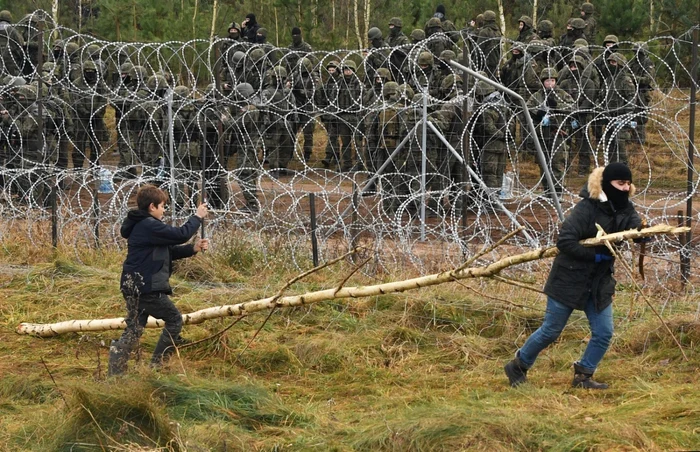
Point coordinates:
pixel 152 246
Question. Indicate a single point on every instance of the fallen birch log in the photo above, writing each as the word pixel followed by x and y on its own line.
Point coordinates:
pixel 241 309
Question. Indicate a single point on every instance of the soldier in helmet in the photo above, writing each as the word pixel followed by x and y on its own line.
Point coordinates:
pixel 545 31
pixel 417 36
pixel 588 15
pixel 527 30
pixel 349 107
pixel 618 104
pixel 73 61
pixel 31 148
pixel 124 112
pixel 306 91
pixel 383 133
pixel 11 46
pixel 329 104
pixel 487 129
pixel 255 66
pixel 550 107
pixel 438 40
pixel 377 55
pixel 519 73
pixel 152 137
pixel 188 145
pixel 279 122
pixel 213 123
pixel 583 91
pixel 425 75
pixel 449 120
pixel 90 102
pixel 489 42
pixel 396 37
pixel 644 77
pixel 574 31
pixel 298 49
pixel 246 120
pixel 444 68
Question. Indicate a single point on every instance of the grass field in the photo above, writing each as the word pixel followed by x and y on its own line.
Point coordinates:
pixel 416 371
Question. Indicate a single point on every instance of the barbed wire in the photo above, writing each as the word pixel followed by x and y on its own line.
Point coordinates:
pixel 255 128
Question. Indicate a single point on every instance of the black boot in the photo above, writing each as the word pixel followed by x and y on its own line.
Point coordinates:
pixel 583 379
pixel 516 372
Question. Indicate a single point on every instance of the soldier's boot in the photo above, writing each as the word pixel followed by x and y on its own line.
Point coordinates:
pixel 583 378
pixel 516 372
pixel 117 359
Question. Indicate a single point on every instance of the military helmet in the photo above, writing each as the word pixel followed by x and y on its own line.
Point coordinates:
pixel 418 35
pixel 93 49
pixel 578 23
pixel 58 43
pixel 374 33
pixel 5 16
pixel 181 92
pixel 156 82
pixel 256 55
pixel 483 89
pixel 71 48
pixel 279 72
pixel 537 46
pixel 390 89
pixel 89 65
pixel 139 73
pixel 307 64
pixel 333 63
pixel 385 74
pixel 349 64
pixel 406 92
pixel 234 25
pixel 28 92
pixel 545 26
pixel 14 82
pixel 578 60
pixel 527 20
pixel 580 42
pixel 245 90
pixel 519 46
pixel 426 59
pixel 433 22
pixel 588 8
pixel 237 57
pixel 479 20
pixel 262 32
pixel 396 21
pixel 549 72
pixel 448 55
pixel 611 38
pixel 618 58
pixel 449 81
pixel 489 16
pixel 48 67
pixel 126 68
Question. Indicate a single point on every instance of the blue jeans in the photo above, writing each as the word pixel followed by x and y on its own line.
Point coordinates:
pixel 555 320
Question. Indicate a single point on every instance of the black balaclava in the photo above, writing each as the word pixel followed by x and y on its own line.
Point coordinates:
pixel 252 20
pixel 296 36
pixel 394 31
pixel 616 171
pixel 440 12
pixel 90 77
pixel 235 34
pixel 520 54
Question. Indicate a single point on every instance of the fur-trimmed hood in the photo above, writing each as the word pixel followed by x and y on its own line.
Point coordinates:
pixel 594 188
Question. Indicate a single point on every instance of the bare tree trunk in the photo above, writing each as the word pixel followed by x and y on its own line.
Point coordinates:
pixel 357 25
pixel 241 309
pixel 194 18
pixel 215 10
pixel 333 15
pixel 277 29
pixel 502 15
pixel 534 14
pixel 651 17
pixel 368 7
pixel 80 16
pixel 54 10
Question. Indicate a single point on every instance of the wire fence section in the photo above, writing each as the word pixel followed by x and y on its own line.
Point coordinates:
pixel 400 150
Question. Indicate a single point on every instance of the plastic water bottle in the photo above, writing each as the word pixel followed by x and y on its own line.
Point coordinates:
pixel 105 176
pixel 507 186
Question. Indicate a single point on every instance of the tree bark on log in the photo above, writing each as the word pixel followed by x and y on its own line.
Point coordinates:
pixel 241 309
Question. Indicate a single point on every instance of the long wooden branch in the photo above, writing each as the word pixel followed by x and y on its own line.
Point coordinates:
pixel 239 309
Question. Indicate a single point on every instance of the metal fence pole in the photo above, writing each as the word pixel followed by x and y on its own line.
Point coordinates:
pixel 314 240
pixel 685 256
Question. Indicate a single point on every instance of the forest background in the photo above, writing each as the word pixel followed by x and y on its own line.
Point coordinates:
pixel 339 24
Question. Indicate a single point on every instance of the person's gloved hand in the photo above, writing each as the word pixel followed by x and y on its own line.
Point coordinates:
pixel 551 101
pixel 575 124
pixel 545 120
pixel 633 124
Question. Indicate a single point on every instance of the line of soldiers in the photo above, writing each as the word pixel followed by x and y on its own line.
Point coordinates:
pixel 269 97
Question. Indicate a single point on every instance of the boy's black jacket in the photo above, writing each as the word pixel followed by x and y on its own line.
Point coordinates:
pixel 152 246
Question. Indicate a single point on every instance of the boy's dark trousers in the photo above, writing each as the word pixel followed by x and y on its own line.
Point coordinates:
pixel 157 305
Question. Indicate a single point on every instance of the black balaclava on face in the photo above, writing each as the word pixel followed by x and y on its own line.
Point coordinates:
pixel 394 31
pixel 90 76
pixel 234 33
pixel 296 36
pixel 251 19
pixel 616 171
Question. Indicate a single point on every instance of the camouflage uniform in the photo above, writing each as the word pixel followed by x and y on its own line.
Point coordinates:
pixel 548 107
pixel 527 33
pixel 90 103
pixel 644 74
pixel 279 121
pixel 298 50
pixel 587 14
pixel 329 103
pixel 246 119
pixel 400 47
pixel 307 91
pixel 487 129
pixel 153 136
pixel 349 104
pixel 11 47
pixel 489 42
pixel 574 31
pixel 377 56
pixel 124 106
pixel 212 120
pixel 425 75
pixel 619 101
pixel 583 91
pixel 188 146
